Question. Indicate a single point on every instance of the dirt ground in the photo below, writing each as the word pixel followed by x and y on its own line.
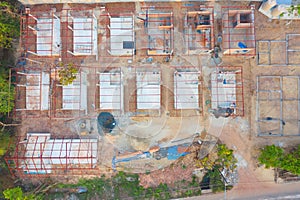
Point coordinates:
pixel 246 142
pixel 238 133
pixel 177 171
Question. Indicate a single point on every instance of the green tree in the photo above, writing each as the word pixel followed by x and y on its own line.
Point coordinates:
pixel 9 24
pixel 13 194
pixel 292 8
pixel 4 142
pixel 225 157
pixel 291 162
pixel 205 163
pixel 213 180
pixel 67 73
pixel 6 95
pixel 271 156
pixel 17 194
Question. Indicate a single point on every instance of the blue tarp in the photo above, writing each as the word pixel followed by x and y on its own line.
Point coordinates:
pixel 170 152
pixel 242 45
pixel 146 154
pixel 173 153
pixel 226 104
pixel 284 2
pixel 136 157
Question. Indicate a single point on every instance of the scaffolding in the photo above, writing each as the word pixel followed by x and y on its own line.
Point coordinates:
pixel 38 154
pixel 227 90
pixel 199 29
pixel 158 25
pixel 279 52
pixel 117 34
pixel 40 33
pixel 277 105
pixel 238 30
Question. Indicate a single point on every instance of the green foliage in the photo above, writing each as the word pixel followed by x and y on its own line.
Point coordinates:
pixel 118 186
pixel 213 179
pixel 216 183
pixel 4 142
pixel 67 74
pixel 292 8
pixel 194 183
pixel 13 193
pixel 225 157
pixel 7 95
pixel 9 24
pixel 189 193
pixel 291 162
pixel 205 163
pixel 271 156
pixel 95 185
pixel 127 186
pixel 17 194
pixel 162 192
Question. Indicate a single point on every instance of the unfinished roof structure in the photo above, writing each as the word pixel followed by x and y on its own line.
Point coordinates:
pixel 38 154
pixel 158 23
pixel 110 91
pixel 74 94
pixel 70 100
pixel 40 32
pixel 142 90
pixel 238 30
pixel 45 96
pixel 80 32
pixel 32 88
pixel 187 86
pixel 227 89
pixel 148 84
pixel 35 85
pixel 56 34
pixel 122 35
pixel 199 29
pixel 117 35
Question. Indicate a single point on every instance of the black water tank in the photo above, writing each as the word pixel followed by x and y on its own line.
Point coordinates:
pixel 106 121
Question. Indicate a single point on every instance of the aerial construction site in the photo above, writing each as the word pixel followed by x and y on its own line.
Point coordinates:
pixel 151 77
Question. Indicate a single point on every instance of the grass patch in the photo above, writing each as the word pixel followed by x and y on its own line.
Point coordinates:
pixel 4 142
pixel 125 185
